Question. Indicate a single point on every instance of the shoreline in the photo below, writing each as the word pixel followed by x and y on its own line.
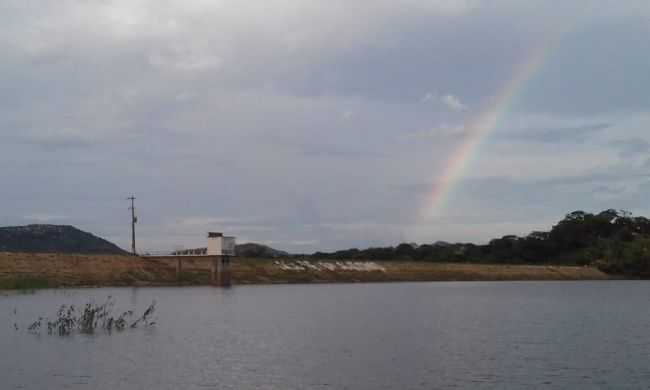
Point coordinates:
pixel 51 270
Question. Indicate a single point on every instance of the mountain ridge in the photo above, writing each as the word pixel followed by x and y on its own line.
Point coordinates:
pixel 47 238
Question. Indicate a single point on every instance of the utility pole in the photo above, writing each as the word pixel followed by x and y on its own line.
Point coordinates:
pixel 134 220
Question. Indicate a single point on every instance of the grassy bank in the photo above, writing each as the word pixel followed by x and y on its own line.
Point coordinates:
pixel 28 270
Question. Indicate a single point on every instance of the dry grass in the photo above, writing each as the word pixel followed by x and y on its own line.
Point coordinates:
pixel 22 270
pixel 255 271
pixel 456 271
pixel 82 270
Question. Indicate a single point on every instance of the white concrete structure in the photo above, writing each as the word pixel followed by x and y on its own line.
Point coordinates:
pixel 219 245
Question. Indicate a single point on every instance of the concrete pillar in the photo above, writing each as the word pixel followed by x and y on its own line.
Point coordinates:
pixel 221 275
pixel 179 269
pixel 225 273
pixel 214 268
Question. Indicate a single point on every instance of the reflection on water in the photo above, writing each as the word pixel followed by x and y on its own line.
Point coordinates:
pixel 508 335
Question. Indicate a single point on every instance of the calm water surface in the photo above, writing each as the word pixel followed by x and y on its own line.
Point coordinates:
pixel 529 335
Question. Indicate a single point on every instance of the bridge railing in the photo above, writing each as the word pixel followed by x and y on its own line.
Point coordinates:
pixel 155 253
pixel 161 253
pixel 183 252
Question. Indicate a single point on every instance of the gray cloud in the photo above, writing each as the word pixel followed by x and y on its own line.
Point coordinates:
pixel 572 134
pixel 631 146
pixel 596 68
pixel 303 125
pixel 51 141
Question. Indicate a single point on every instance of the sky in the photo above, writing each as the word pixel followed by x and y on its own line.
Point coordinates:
pixel 321 125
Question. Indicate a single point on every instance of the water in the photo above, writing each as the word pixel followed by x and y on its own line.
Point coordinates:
pixel 507 335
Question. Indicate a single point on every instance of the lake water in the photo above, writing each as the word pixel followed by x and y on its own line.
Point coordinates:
pixel 465 335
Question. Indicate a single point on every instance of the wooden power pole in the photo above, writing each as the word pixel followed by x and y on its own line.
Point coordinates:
pixel 134 220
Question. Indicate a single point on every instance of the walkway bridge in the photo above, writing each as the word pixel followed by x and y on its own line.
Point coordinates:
pixel 219 251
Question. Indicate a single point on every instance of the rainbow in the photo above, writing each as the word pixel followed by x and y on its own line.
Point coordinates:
pixel 478 128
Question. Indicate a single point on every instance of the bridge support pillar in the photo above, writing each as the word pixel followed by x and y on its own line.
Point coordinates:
pixel 220 272
pixel 179 269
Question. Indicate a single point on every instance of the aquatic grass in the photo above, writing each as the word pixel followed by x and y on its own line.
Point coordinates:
pixel 91 318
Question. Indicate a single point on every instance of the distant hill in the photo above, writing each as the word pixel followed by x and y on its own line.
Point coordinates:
pixel 259 250
pixel 54 238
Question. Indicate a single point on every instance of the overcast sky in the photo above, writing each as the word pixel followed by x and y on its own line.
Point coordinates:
pixel 317 125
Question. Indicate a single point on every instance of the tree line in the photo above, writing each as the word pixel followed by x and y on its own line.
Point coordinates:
pixel 613 240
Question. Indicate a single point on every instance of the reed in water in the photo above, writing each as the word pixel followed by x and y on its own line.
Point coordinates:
pixel 90 318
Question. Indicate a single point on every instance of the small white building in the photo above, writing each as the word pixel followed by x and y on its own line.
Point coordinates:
pixel 220 245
